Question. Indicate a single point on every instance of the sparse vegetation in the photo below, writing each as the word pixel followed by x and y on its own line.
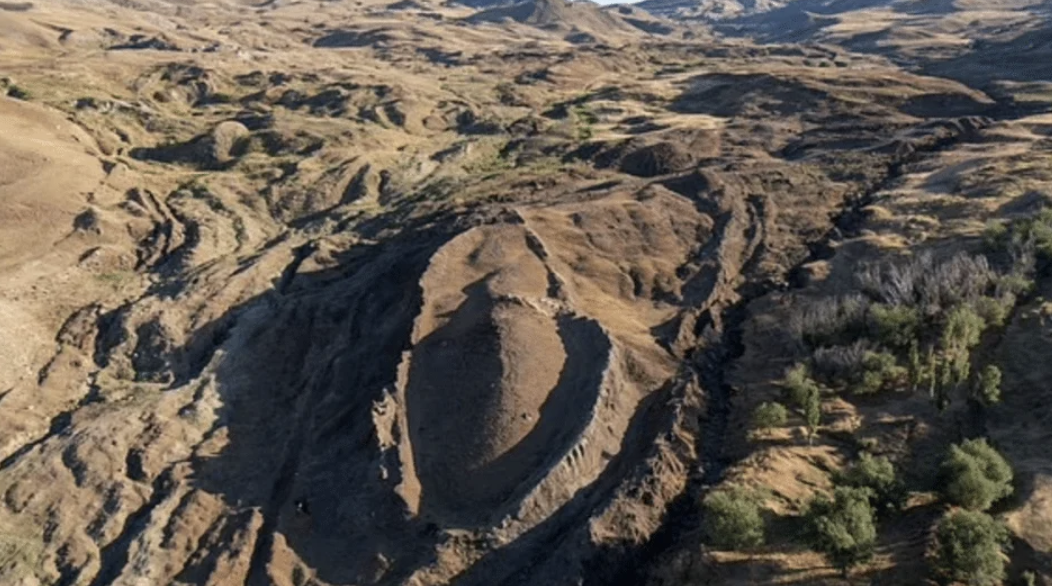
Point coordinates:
pixel 843 528
pixel 733 520
pixel 969 549
pixel 975 475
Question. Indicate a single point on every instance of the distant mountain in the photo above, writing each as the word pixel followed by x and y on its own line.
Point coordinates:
pixel 582 21
pixel 710 9
pixel 1001 46
pixel 554 14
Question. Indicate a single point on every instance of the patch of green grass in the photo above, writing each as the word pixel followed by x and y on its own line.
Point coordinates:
pixel 115 279
pixel 584 122
pixel 488 164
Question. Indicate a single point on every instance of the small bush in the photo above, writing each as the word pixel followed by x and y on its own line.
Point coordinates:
pixel 1034 233
pixel 877 474
pixel 895 326
pixel 1015 284
pixel 812 415
pixel 995 235
pixel 989 386
pixel 1025 241
pixel 969 549
pixel 732 520
pixel 975 475
pixel 19 93
pixel 799 384
pixel 880 371
pixel 769 415
pixel 994 310
pixel 963 329
pixel 843 529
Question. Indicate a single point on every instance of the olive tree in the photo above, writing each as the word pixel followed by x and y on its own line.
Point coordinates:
pixel 975 475
pixel 843 528
pixel 969 549
pixel 732 519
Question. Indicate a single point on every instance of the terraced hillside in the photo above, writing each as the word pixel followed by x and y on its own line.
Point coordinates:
pixel 416 293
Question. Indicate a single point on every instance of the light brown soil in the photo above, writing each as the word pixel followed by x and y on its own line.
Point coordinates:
pixel 371 293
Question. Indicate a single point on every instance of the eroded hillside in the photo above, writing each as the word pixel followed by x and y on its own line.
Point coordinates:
pixel 364 293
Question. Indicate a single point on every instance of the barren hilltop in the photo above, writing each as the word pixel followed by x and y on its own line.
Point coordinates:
pixel 359 292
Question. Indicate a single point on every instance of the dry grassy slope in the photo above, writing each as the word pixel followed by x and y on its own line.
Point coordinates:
pixel 375 294
pixel 1000 46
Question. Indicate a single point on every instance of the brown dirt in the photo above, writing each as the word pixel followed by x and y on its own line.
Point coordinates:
pixel 362 293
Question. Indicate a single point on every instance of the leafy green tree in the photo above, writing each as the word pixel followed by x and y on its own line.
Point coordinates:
pixel 769 415
pixel 975 475
pixel 969 549
pixel 877 474
pixel 733 520
pixel 989 387
pixel 844 529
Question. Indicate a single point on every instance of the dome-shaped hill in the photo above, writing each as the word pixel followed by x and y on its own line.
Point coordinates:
pixel 558 15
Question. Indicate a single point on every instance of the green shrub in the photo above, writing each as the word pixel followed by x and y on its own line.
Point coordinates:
pixel 769 415
pixel 19 93
pixel 1034 232
pixel 812 410
pixel 1015 283
pixel 963 329
pixel 961 332
pixel 880 371
pixel 799 384
pixel 969 549
pixel 732 520
pixel 877 474
pixel 895 326
pixel 993 310
pixel 995 236
pixel 989 387
pixel 1022 239
pixel 843 529
pixel 975 475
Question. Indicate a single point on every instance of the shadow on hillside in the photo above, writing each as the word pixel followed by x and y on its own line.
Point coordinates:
pixel 308 362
